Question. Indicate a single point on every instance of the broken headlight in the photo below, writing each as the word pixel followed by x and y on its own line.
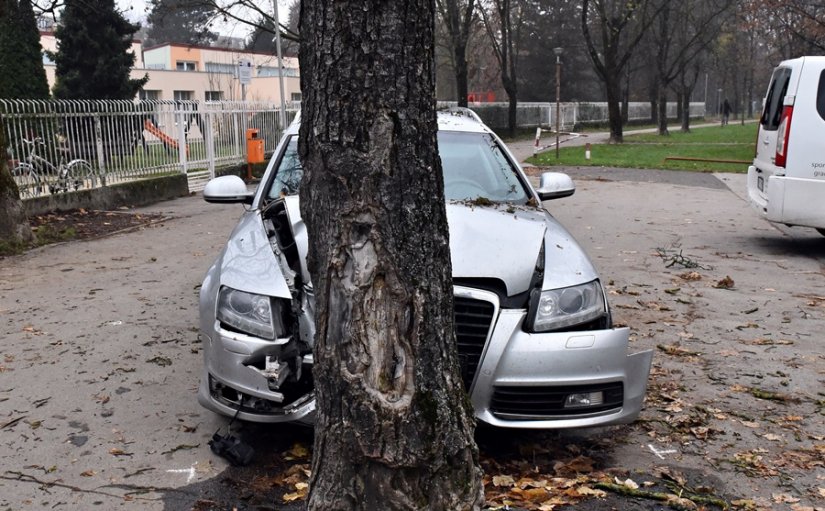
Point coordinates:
pixel 246 312
pixel 559 308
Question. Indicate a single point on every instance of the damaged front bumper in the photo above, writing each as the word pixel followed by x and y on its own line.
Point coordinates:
pixel 516 379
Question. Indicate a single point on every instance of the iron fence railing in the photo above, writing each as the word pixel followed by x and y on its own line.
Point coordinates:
pixel 128 140
pixel 57 145
pixel 531 115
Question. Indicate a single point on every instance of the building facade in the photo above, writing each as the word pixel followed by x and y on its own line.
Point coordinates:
pixel 199 73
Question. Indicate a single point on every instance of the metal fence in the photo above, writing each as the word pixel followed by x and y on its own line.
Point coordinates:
pixel 59 145
pixel 531 115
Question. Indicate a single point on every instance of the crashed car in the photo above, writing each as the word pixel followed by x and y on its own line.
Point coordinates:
pixel 533 328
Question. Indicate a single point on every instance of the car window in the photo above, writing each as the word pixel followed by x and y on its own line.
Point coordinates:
pixel 474 166
pixel 772 114
pixel 820 96
pixel 288 176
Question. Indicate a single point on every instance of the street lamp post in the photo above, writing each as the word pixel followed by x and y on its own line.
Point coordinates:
pixel 558 52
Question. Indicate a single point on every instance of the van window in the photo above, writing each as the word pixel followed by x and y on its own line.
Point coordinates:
pixel 820 96
pixel 772 114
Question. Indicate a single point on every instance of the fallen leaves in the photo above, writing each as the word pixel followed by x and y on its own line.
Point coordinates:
pixel 725 283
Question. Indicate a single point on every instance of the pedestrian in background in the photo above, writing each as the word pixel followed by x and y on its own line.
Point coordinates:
pixel 726 110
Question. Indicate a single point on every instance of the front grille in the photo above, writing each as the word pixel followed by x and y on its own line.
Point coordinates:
pixel 472 325
pixel 549 401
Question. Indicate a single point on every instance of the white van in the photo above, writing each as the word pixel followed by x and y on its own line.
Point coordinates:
pixel 786 182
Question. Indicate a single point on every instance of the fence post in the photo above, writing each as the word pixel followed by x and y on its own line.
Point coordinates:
pixel 101 160
pixel 209 140
pixel 180 121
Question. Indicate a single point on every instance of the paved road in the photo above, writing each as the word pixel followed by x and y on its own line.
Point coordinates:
pixel 100 358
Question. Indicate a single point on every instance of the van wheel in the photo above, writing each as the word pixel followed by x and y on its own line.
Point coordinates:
pixel 821 231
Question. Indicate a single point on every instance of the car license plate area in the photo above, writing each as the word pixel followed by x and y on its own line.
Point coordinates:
pixel 760 183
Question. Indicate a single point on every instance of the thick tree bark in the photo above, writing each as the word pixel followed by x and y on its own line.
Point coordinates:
pixel 394 428
pixel 14 226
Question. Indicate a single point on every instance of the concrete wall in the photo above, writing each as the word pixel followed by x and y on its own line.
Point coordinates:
pixel 134 193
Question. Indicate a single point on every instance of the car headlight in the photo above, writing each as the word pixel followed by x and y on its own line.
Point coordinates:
pixel 559 308
pixel 246 312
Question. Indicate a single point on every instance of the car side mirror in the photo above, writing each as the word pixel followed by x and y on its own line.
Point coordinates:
pixel 555 185
pixel 227 190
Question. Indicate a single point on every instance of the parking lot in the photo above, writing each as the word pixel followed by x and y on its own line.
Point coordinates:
pixel 101 358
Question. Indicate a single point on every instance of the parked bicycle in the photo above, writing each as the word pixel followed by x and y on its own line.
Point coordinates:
pixel 37 174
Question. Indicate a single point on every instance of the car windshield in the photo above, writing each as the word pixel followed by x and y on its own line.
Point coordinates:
pixel 474 166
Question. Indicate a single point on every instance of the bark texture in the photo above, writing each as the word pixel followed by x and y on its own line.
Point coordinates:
pixel 394 427
pixel 14 226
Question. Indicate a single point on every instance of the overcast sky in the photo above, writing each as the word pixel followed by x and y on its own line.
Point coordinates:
pixel 136 11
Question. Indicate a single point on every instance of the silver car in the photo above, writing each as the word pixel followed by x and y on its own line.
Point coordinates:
pixel 533 329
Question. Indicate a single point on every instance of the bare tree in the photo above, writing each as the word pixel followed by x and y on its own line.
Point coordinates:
pixel 619 25
pixel 683 31
pixel 503 24
pixel 458 17
pixel 394 429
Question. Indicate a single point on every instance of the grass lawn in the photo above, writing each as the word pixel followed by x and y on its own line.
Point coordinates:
pixel 648 151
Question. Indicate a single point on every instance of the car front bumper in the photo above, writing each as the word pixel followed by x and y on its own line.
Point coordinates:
pixel 522 379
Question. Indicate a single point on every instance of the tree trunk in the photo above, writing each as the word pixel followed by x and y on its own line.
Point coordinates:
pixel 461 88
pixel 614 111
pixel 394 428
pixel 14 226
pixel 685 99
pixel 662 101
pixel 512 110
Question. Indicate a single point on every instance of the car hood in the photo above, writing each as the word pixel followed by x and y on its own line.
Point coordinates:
pixel 504 242
pixel 491 242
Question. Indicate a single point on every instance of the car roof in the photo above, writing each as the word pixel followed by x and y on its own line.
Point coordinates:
pixel 453 119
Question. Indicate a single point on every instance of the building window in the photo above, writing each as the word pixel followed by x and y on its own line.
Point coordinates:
pixel 273 71
pixel 183 95
pixel 213 95
pixel 185 65
pixel 149 95
pixel 296 96
pixel 216 67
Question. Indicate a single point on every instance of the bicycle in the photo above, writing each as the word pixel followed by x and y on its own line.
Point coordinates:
pixel 32 174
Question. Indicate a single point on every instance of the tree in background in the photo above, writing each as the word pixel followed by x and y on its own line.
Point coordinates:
pixel 612 29
pixel 503 20
pixel 682 32
pixel 262 38
pixel 457 17
pixel 179 21
pixel 21 60
pixel 94 58
pixel 394 428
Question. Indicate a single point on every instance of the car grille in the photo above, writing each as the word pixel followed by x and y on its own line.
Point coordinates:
pixel 472 326
pixel 548 402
